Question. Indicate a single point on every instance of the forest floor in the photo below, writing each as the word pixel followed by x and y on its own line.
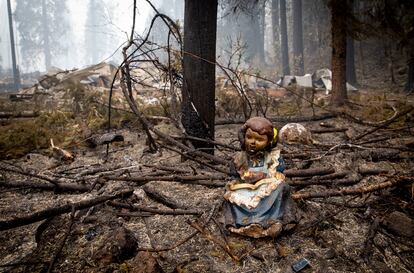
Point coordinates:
pixel 167 223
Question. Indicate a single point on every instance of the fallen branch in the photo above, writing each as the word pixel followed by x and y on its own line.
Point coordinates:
pixel 309 172
pixel 62 242
pixel 367 250
pixel 25 114
pixel 43 214
pixel 193 158
pixel 209 236
pixel 328 130
pixel 46 178
pixel 375 171
pixel 385 124
pixel 166 168
pixel 345 181
pixel 348 191
pixel 154 210
pixel 178 178
pixel 153 194
pixel 233 148
pixel 282 119
pixel 60 187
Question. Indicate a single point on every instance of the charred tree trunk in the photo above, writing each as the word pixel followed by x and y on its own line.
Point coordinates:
pixel 46 45
pixel 276 31
pixel 16 74
pixel 388 56
pixel 409 87
pixel 262 13
pixel 284 38
pixel 251 25
pixel 298 67
pixel 350 55
pixel 350 61
pixel 338 29
pixel 198 106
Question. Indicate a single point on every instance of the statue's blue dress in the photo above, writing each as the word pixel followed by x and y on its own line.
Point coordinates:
pixel 266 202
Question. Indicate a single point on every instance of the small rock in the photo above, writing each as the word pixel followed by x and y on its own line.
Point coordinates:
pixel 381 267
pixel 399 223
pixel 329 254
pixel 144 262
pixel 350 133
pixel 265 253
pixel 119 245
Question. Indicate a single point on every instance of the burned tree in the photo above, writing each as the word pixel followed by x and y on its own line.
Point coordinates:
pixel 284 38
pixel 41 25
pixel 350 55
pixel 298 65
pixel 338 29
pixel 198 108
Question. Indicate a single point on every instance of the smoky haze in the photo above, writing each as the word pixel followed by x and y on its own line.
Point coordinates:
pixel 80 32
pixel 250 34
pixel 88 32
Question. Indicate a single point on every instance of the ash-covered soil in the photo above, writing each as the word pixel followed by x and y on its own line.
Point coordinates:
pixel 351 233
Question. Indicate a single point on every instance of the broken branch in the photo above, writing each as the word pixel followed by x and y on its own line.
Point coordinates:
pixel 348 191
pixel 43 214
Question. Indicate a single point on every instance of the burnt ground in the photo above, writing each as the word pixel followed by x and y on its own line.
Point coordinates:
pixel 370 232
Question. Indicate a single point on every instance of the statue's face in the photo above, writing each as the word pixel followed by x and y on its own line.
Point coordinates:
pixel 254 141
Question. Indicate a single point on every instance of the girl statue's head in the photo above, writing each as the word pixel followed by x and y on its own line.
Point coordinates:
pixel 257 134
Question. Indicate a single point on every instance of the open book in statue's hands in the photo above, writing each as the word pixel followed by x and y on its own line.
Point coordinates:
pixel 237 184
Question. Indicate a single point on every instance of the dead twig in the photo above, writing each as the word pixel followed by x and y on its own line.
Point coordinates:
pixel 367 250
pixel 63 241
pixel 209 236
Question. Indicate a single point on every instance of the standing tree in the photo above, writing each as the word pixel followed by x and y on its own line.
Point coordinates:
pixel 198 105
pixel 41 25
pixel 284 38
pixel 298 66
pixel 251 20
pixel 350 61
pixel 98 31
pixel 276 30
pixel 350 54
pixel 396 19
pixel 338 29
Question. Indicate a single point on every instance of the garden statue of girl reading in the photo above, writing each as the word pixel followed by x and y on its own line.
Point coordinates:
pixel 258 203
